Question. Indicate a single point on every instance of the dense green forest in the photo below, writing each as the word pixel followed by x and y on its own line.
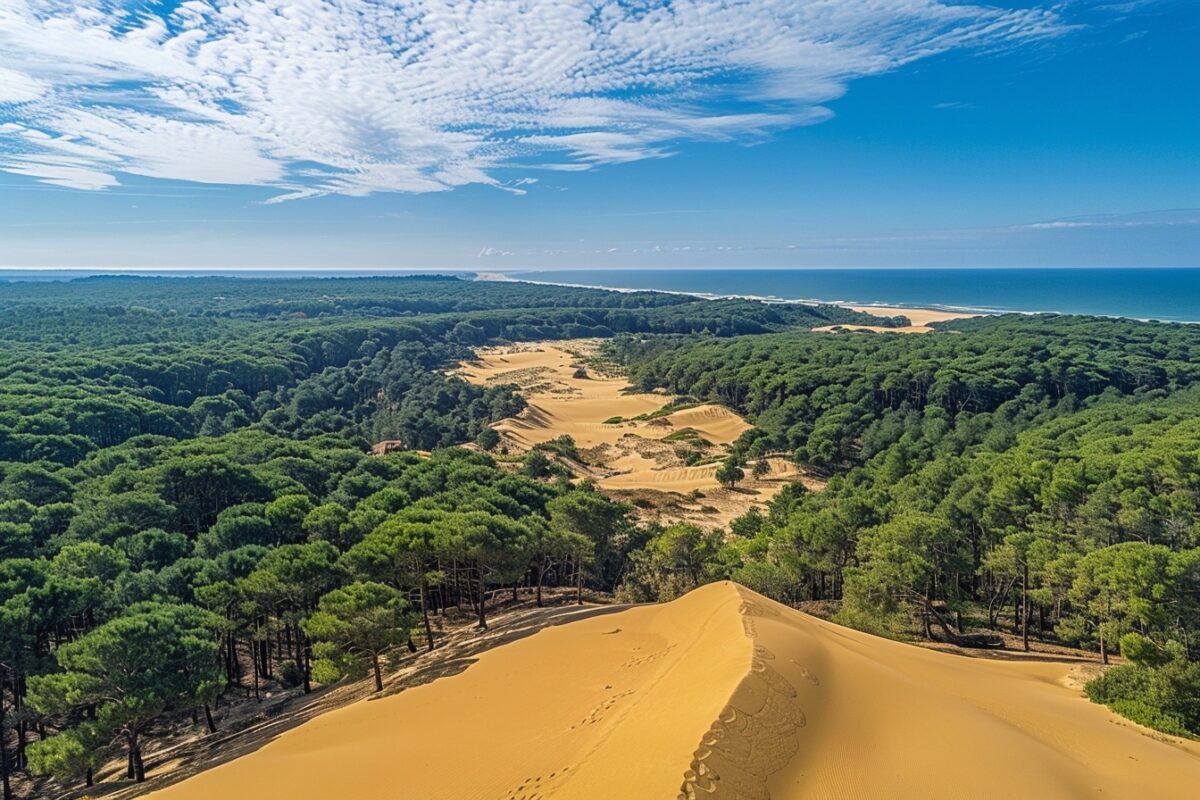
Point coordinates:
pixel 190 515
pixel 1035 474
pixel 188 510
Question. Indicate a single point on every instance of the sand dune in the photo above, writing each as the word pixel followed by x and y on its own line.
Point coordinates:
pixel 670 479
pixel 715 423
pixel 635 454
pixel 629 455
pixel 722 694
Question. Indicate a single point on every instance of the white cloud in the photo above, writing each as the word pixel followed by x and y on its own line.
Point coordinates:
pixel 17 87
pixel 1141 219
pixel 361 96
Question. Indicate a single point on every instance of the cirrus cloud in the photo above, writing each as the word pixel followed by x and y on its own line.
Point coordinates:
pixel 312 97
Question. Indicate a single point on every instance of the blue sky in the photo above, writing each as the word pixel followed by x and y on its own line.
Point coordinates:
pixel 264 133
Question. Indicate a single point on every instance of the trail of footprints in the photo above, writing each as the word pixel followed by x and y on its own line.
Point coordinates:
pixel 599 711
pixel 648 658
pixel 755 735
pixel 537 787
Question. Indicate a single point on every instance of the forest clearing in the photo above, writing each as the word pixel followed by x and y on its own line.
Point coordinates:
pixel 646 447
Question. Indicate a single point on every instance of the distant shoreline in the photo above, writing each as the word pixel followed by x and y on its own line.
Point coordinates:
pixel 918 316
pixel 929 312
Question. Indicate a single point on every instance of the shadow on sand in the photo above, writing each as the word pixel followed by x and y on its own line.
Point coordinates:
pixel 458 650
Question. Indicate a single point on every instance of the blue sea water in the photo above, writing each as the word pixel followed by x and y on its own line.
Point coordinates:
pixel 1161 294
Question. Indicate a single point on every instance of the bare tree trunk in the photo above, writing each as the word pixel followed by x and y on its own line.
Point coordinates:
pixel 18 690
pixel 136 770
pixel 4 779
pixel 1025 607
pixel 254 661
pixel 208 718
pixel 378 672
pixel 482 604
pixel 457 588
pixel 139 767
pixel 305 648
pixel 425 615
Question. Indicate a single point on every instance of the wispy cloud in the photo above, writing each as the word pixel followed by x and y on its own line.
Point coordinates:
pixel 1141 219
pixel 313 97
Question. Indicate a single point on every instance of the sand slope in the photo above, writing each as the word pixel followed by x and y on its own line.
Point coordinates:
pixel 561 403
pixel 638 459
pixel 720 694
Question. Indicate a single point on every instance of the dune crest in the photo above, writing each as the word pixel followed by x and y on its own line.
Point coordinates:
pixel 720 694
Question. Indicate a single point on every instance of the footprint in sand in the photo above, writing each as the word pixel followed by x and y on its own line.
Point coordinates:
pixel 753 737
pixel 648 658
pixel 599 711
pixel 808 676
pixel 533 788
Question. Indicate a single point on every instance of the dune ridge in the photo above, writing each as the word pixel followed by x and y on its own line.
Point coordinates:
pixel 755 735
pixel 721 694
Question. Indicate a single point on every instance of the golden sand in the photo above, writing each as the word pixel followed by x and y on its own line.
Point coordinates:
pixel 631 453
pixel 720 694
pixel 919 317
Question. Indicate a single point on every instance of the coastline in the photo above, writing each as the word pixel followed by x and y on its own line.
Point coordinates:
pixel 919 316
pixel 955 311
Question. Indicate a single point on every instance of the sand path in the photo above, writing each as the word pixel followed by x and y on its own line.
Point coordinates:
pixel 720 694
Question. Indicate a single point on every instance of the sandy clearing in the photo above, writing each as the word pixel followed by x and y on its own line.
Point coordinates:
pixel 723 694
pixel 631 454
pixel 686 479
pixel 919 317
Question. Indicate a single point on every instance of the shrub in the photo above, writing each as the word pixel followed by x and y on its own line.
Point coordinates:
pixel 488 439
pixel 1143 713
pixel 1165 698
pixel 290 675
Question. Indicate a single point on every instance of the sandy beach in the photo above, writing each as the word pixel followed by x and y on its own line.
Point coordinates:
pixel 724 694
pixel 919 317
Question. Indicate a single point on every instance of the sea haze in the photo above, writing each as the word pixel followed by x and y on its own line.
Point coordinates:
pixel 1162 294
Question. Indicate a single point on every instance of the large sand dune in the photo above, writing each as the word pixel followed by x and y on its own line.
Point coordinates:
pixel 720 694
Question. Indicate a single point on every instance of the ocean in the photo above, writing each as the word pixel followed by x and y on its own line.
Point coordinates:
pixel 1160 294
